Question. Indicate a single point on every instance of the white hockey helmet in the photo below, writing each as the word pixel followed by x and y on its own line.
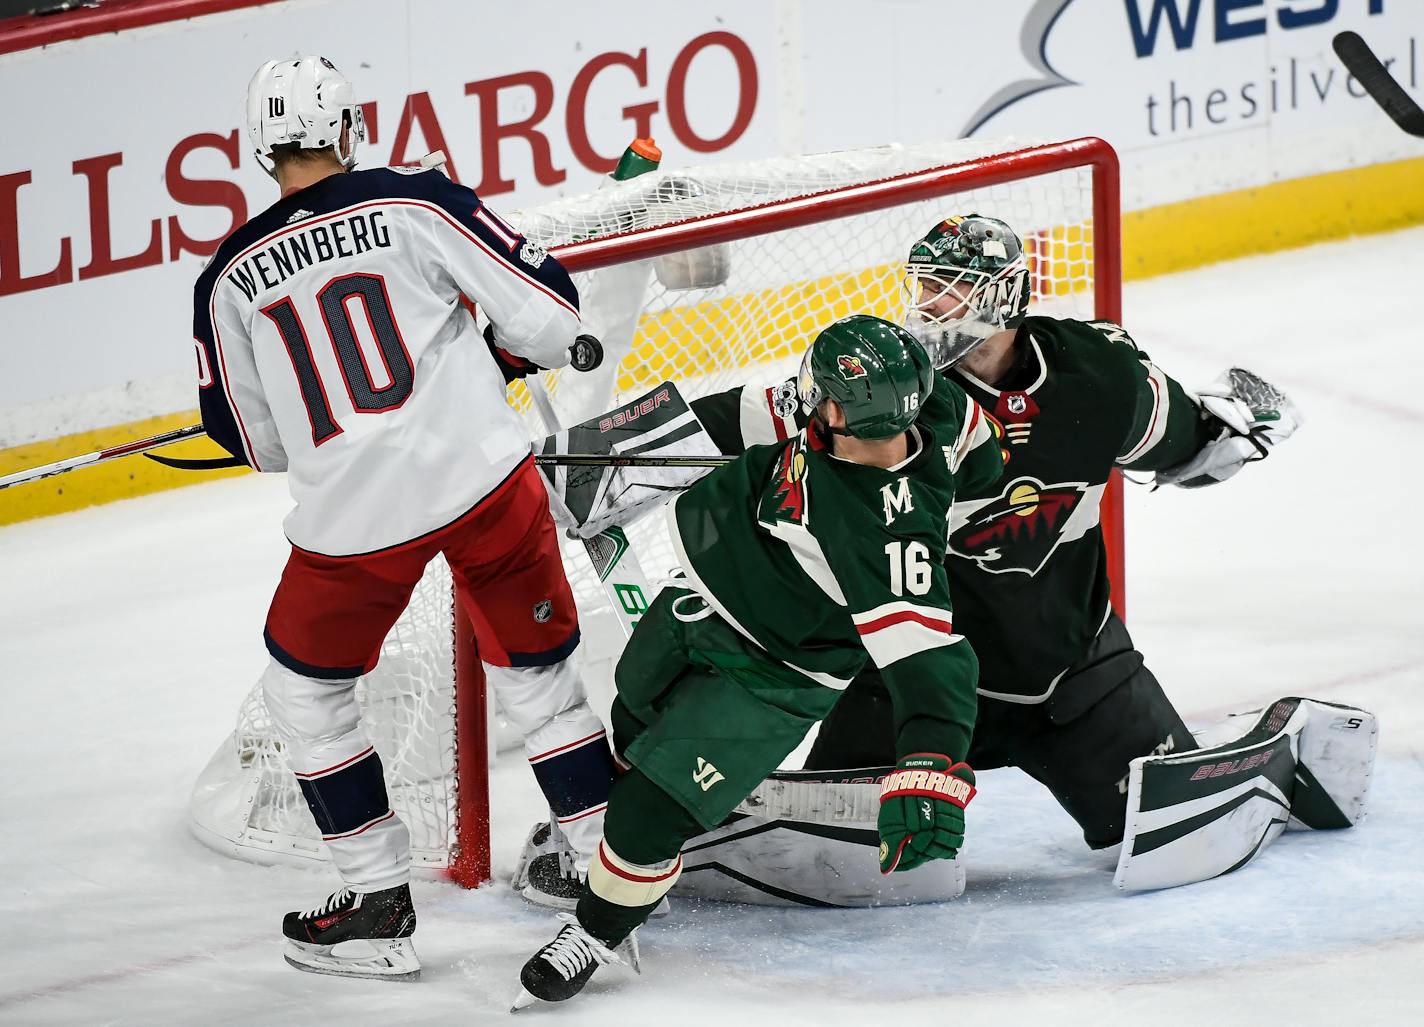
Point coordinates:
pixel 305 101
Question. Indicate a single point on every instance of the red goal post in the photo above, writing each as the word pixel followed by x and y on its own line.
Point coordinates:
pixel 803 240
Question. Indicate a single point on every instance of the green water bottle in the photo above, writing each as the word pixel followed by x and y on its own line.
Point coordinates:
pixel 641 157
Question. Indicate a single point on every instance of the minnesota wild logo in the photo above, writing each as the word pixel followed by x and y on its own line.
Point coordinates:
pixel 851 367
pixel 1019 529
pixel 785 500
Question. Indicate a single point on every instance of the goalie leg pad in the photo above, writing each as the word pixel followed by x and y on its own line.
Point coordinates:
pixel 1336 749
pixel 807 838
pixel 340 776
pixel 566 745
pixel 1200 814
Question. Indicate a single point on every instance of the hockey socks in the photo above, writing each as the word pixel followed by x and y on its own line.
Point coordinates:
pixel 638 861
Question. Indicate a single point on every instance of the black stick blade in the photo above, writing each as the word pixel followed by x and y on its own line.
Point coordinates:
pixel 201 464
pixel 1361 62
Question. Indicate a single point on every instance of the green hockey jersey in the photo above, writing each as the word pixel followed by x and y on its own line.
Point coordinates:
pixel 820 561
pixel 1027 565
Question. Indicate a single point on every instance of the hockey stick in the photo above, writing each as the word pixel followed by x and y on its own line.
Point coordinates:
pixel 1361 62
pixel 192 431
pixel 195 431
pixel 615 460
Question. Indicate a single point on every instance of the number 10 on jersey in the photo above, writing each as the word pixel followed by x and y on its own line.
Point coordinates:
pixel 367 396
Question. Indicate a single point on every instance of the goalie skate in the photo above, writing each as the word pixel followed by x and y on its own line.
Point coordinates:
pixel 373 928
pixel 546 874
pixel 542 838
pixel 552 880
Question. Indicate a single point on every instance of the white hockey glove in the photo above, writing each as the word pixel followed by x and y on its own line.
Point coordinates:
pixel 586 500
pixel 1254 416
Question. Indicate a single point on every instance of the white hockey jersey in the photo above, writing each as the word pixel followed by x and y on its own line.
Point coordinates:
pixel 333 344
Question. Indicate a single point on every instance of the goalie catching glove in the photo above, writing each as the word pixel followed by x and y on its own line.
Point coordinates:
pixel 1254 415
pixel 922 811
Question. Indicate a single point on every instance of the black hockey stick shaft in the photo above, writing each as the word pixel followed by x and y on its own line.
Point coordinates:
pixel 614 460
pixel 1361 62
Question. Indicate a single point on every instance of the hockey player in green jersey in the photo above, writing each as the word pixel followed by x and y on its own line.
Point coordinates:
pixel 801 558
pixel 1063 694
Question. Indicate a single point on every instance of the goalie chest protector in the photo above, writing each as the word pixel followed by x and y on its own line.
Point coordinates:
pixel 1027 560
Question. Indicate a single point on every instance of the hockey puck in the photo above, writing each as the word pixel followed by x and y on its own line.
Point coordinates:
pixel 586 353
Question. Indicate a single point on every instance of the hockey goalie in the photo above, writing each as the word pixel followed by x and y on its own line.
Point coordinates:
pixel 1063 694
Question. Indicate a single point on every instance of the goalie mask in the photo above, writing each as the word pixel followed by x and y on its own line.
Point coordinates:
pixel 967 280
pixel 305 101
pixel 877 371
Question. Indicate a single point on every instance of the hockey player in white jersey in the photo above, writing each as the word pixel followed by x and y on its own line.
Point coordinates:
pixel 334 344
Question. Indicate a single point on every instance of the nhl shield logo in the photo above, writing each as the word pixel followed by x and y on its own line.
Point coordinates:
pixel 1018 403
pixel 543 610
pixel 851 367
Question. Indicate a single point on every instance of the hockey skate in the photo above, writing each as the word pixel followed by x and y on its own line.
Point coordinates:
pixel 552 880
pixel 378 924
pixel 559 970
pixel 543 839
pixel 547 875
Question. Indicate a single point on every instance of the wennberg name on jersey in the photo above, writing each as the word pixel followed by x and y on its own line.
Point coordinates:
pixel 272 265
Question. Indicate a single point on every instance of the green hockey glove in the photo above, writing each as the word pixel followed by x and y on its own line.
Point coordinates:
pixel 922 810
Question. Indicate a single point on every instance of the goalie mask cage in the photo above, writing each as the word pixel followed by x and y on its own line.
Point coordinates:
pixel 710 277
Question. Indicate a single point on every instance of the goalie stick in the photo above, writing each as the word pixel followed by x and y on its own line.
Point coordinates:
pixel 1361 62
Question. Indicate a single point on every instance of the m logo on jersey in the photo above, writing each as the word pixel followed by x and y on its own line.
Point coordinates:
pixel 1020 528
pixel 897 498
pixel 851 367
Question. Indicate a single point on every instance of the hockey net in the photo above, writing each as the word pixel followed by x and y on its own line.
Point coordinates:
pixel 710 277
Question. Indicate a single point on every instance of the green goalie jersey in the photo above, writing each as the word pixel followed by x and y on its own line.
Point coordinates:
pixel 1027 565
pixel 820 561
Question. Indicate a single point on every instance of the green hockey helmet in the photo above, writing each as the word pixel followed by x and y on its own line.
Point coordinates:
pixel 877 371
pixel 967 279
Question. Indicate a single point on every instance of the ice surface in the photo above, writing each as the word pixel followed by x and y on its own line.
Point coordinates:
pixel 130 633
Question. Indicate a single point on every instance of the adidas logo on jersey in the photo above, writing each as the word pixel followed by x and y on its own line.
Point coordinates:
pixel 298 215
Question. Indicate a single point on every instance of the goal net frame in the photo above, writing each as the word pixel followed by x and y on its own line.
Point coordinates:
pixel 469 857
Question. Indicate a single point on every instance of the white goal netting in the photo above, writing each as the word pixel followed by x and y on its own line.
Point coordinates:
pixel 709 318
